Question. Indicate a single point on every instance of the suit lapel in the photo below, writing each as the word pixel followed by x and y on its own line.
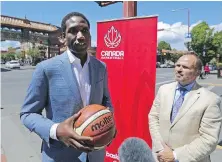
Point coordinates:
pixel 92 76
pixel 68 75
pixel 189 100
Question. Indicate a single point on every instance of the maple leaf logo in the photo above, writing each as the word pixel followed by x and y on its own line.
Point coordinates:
pixel 112 38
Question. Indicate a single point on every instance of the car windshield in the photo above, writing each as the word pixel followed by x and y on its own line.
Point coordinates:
pixel 14 62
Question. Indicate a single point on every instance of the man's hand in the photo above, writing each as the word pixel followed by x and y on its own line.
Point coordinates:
pixel 69 137
pixel 166 155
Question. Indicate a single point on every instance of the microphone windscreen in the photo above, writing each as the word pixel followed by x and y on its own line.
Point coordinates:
pixel 135 149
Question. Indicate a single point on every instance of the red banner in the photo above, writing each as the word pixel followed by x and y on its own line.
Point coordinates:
pixel 128 47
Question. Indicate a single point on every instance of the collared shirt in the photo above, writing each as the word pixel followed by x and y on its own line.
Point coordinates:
pixel 82 76
pixel 178 92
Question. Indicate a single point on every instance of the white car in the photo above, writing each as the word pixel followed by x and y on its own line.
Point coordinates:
pixel 12 64
pixel 163 65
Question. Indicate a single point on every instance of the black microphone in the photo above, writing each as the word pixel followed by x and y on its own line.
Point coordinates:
pixel 134 149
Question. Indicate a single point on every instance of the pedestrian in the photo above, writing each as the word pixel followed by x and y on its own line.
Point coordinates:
pixel 185 118
pixel 206 69
pixel 201 76
pixel 62 86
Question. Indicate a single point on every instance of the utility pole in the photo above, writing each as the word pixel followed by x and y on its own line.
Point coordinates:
pixel 129 7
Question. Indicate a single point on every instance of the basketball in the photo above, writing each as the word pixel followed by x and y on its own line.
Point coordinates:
pixel 97 122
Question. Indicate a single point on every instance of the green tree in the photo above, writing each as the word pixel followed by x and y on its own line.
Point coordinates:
pixel 3 57
pixel 10 56
pixel 163 45
pixel 201 43
pixel 213 61
pixel 19 55
pixel 217 43
pixel 166 46
pixel 33 53
pixel 175 56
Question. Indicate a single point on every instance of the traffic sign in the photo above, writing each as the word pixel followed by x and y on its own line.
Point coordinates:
pixel 188 35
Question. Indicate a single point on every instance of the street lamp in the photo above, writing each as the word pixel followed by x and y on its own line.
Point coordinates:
pixel 188 21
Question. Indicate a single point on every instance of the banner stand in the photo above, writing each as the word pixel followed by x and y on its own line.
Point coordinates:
pixel 128 47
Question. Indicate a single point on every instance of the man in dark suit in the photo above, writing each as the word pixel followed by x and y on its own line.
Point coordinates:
pixel 62 86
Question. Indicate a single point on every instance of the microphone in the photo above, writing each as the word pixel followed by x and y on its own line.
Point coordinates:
pixel 134 149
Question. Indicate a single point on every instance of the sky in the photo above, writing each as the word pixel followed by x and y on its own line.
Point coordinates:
pixel 176 23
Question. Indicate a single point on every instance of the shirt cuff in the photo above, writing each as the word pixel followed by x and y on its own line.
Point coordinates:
pixel 175 156
pixel 53 131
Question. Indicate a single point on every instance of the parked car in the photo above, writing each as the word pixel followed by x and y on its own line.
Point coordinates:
pixel 12 64
pixel 21 63
pixel 157 64
pixel 170 66
pixel 212 67
pixel 163 65
pixel 2 62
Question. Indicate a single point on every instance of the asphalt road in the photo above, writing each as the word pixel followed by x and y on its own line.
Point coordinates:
pixel 19 145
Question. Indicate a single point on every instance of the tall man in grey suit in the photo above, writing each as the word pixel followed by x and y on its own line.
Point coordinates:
pixel 185 119
pixel 62 86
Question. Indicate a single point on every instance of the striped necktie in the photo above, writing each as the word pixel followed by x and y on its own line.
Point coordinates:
pixel 178 103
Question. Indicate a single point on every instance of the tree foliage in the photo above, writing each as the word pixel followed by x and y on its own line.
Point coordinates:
pixel 205 42
pixel 10 56
pixel 217 43
pixel 33 52
pixel 166 46
pixel 175 57
pixel 163 45
pixel 20 55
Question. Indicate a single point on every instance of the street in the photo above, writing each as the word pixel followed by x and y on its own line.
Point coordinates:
pixel 19 145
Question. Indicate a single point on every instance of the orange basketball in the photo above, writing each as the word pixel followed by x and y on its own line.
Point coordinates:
pixel 96 121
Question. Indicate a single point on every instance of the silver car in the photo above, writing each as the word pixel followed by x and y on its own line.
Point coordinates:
pixel 12 64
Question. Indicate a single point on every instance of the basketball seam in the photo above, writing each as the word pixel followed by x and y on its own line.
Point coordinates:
pixel 95 111
pixel 99 147
pixel 90 123
pixel 80 129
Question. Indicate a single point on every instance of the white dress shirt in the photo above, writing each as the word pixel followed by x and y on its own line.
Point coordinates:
pixel 82 76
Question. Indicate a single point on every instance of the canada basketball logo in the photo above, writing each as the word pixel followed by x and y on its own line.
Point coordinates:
pixel 112 38
pixel 112 156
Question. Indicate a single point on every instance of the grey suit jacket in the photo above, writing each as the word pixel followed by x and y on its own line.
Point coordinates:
pixel 54 88
pixel 194 133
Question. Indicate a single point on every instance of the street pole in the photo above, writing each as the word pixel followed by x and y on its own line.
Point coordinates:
pixel 129 9
pixel 188 15
pixel 188 23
